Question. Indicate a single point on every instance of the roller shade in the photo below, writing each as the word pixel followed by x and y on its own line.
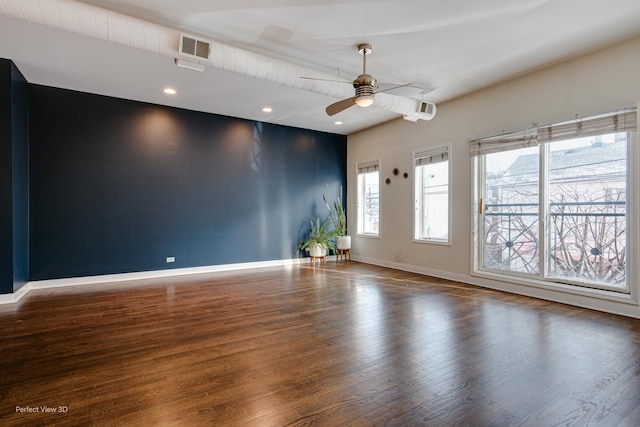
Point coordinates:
pixel 612 123
pixel 429 156
pixel 505 142
pixel 624 121
pixel 371 166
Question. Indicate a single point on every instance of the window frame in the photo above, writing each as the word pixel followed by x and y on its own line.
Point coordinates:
pixel 360 198
pixel 415 155
pixel 543 279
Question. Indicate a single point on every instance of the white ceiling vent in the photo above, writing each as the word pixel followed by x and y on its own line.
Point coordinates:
pixel 425 111
pixel 427 107
pixel 194 47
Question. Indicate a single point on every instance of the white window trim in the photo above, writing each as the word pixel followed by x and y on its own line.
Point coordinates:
pixel 633 213
pixel 378 161
pixel 633 220
pixel 428 241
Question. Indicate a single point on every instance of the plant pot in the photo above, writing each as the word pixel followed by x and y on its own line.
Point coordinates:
pixel 317 250
pixel 343 242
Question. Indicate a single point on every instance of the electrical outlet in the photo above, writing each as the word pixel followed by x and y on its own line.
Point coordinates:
pixel 171 259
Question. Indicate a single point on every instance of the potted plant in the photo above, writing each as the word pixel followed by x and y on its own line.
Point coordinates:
pixel 339 220
pixel 319 240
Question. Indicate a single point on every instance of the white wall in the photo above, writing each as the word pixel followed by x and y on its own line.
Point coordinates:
pixel 601 82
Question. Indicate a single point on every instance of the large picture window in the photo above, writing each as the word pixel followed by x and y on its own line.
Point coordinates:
pixel 369 198
pixel 553 204
pixel 431 195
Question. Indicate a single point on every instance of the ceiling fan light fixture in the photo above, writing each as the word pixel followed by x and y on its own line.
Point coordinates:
pixel 364 100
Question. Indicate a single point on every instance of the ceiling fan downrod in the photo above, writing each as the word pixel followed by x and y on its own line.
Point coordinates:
pixel 364 84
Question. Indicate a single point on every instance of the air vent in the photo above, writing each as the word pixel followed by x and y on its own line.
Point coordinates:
pixel 192 46
pixel 424 111
pixel 427 107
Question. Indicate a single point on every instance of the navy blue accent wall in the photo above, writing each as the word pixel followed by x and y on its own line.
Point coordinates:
pixel 118 186
pixel 6 171
pixel 20 148
pixel 14 140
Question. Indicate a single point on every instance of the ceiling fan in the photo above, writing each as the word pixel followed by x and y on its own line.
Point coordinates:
pixel 365 87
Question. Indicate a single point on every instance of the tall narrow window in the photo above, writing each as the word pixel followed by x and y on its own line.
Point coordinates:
pixel 369 198
pixel 431 188
pixel 553 203
pixel 587 181
pixel 510 218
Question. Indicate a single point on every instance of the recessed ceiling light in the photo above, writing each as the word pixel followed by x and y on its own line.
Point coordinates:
pixel 267 109
pixel 337 123
pixel 170 91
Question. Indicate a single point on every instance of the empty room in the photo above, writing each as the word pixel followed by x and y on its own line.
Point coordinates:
pixel 332 213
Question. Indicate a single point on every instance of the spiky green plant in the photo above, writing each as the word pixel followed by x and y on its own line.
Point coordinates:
pixel 337 216
pixel 319 235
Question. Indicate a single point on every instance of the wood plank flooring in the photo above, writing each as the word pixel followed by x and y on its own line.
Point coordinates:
pixel 337 345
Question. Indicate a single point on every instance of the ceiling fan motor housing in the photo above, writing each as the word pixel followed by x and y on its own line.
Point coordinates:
pixel 364 85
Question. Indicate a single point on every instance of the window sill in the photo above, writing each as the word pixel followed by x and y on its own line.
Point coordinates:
pixel 432 242
pixel 614 296
pixel 369 236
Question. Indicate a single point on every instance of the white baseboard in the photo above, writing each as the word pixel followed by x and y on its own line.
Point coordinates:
pixel 622 307
pixel 15 296
pixel 9 298
pixel 115 278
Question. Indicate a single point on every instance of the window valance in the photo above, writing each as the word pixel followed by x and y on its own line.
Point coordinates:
pixel 625 121
pixel 433 155
pixel 371 166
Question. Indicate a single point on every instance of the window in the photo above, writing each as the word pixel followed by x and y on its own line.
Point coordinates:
pixel 431 189
pixel 510 215
pixel 553 203
pixel 369 198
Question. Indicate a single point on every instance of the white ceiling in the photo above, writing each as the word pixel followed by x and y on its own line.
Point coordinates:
pixel 445 47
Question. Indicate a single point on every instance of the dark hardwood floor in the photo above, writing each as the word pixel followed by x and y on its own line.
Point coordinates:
pixel 337 345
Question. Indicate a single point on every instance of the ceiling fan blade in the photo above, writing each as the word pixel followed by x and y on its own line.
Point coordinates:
pixel 393 87
pixel 339 106
pixel 325 80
